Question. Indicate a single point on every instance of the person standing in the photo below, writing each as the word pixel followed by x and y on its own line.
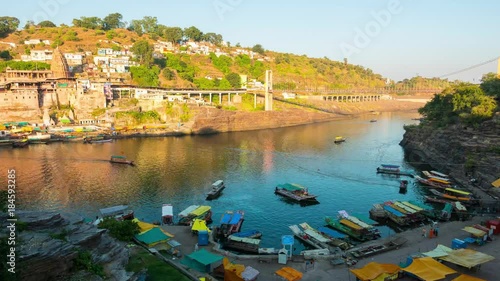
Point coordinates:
pixel 436 231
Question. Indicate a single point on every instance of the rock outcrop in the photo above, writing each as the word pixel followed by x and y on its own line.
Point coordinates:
pixel 463 152
pixel 43 256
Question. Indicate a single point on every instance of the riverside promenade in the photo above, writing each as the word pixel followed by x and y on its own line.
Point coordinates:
pixel 323 270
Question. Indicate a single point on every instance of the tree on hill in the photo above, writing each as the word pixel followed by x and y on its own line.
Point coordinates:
pixel 88 22
pixel 29 24
pixel 173 34
pixel 212 38
pixel 258 49
pixel 146 25
pixel 491 85
pixel 143 52
pixel 193 33
pixel 113 21
pixel 46 23
pixel 234 79
pixel 8 25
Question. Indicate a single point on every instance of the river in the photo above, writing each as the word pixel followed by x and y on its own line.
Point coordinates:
pixel 77 177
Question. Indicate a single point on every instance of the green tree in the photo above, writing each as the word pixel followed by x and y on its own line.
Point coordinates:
pixel 5 55
pixel 29 24
pixel 8 25
pixel 144 76
pixel 490 84
pixel 173 34
pixel 204 83
pixel 168 74
pixel 258 49
pixel 121 230
pixel 146 25
pixel 113 21
pixel 143 52
pixel 234 79
pixel 88 22
pixel 212 38
pixel 193 33
pixel 46 23
pixel 224 84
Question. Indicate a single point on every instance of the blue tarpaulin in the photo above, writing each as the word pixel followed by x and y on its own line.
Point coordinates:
pixel 225 219
pixel 393 211
pixel 235 219
pixel 332 233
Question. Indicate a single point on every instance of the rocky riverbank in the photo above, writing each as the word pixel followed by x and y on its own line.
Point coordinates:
pixel 51 245
pixel 468 154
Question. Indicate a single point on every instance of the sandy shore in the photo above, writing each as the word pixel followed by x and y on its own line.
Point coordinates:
pixel 324 271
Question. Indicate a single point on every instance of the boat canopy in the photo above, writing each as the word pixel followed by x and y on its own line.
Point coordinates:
pixel 311 232
pixel 226 218
pixel 390 166
pixel 218 183
pixel 418 204
pixel 244 240
pixel 404 207
pixel 447 208
pixel 452 190
pixel 339 138
pixel 188 210
pixel 200 210
pixel 332 233
pixel 236 218
pixel 359 222
pixel 115 210
pixel 439 174
pixel 439 180
pixel 393 211
pixel 167 210
pixel 350 224
pixel 414 207
pixel 118 156
pixel 291 186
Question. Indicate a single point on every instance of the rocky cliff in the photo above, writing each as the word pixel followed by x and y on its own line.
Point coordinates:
pixel 42 256
pixel 463 152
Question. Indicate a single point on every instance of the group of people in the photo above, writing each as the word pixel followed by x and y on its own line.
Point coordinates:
pixel 433 232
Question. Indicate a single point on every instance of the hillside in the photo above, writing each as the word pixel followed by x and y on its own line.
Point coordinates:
pixel 290 71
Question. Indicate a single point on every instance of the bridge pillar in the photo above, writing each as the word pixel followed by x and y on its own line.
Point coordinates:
pixel 255 100
pixel 229 97
pixel 220 98
pixel 210 100
pixel 269 90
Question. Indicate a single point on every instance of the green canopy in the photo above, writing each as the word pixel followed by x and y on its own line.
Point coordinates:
pixel 152 236
pixel 291 186
pixel 201 260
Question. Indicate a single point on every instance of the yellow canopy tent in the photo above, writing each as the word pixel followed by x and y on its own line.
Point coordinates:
pixel 144 226
pixel 428 269
pixel 474 231
pixel 232 272
pixel 289 274
pixel 199 225
pixel 465 277
pixel 375 271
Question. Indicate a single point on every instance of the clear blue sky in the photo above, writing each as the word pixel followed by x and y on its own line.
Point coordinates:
pixel 429 38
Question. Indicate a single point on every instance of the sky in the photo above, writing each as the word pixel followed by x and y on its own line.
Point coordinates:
pixel 396 38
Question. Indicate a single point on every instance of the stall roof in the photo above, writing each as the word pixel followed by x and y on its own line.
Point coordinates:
pixel 465 277
pixel 167 210
pixel 474 231
pixel 440 251
pixel 428 269
pixel 373 270
pixel 205 257
pixel 467 258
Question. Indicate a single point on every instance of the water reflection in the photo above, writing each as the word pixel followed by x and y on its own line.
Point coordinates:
pixel 78 177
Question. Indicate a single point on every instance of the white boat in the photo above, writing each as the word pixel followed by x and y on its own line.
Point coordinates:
pixel 441 175
pixel 167 214
pixel 39 137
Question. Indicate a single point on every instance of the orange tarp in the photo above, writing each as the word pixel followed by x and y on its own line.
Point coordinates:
pixel 232 272
pixel 289 274
pixel 373 270
pixel 465 277
pixel 428 269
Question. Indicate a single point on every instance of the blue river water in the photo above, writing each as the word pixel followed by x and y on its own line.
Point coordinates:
pixel 77 177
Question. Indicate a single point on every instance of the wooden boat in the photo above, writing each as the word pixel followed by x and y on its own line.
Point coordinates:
pixel 20 143
pixel 454 194
pixel 230 223
pixel 119 212
pixel 339 140
pixel 309 240
pixel 321 238
pixel 353 230
pixel 7 142
pixel 195 212
pixel 373 120
pixel 167 214
pixel 254 234
pixel 216 190
pixel 431 183
pixel 118 159
pixel 441 175
pixel 337 238
pixel 395 215
pixel 96 140
pixel 295 192
pixel 378 248
pixel 242 244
